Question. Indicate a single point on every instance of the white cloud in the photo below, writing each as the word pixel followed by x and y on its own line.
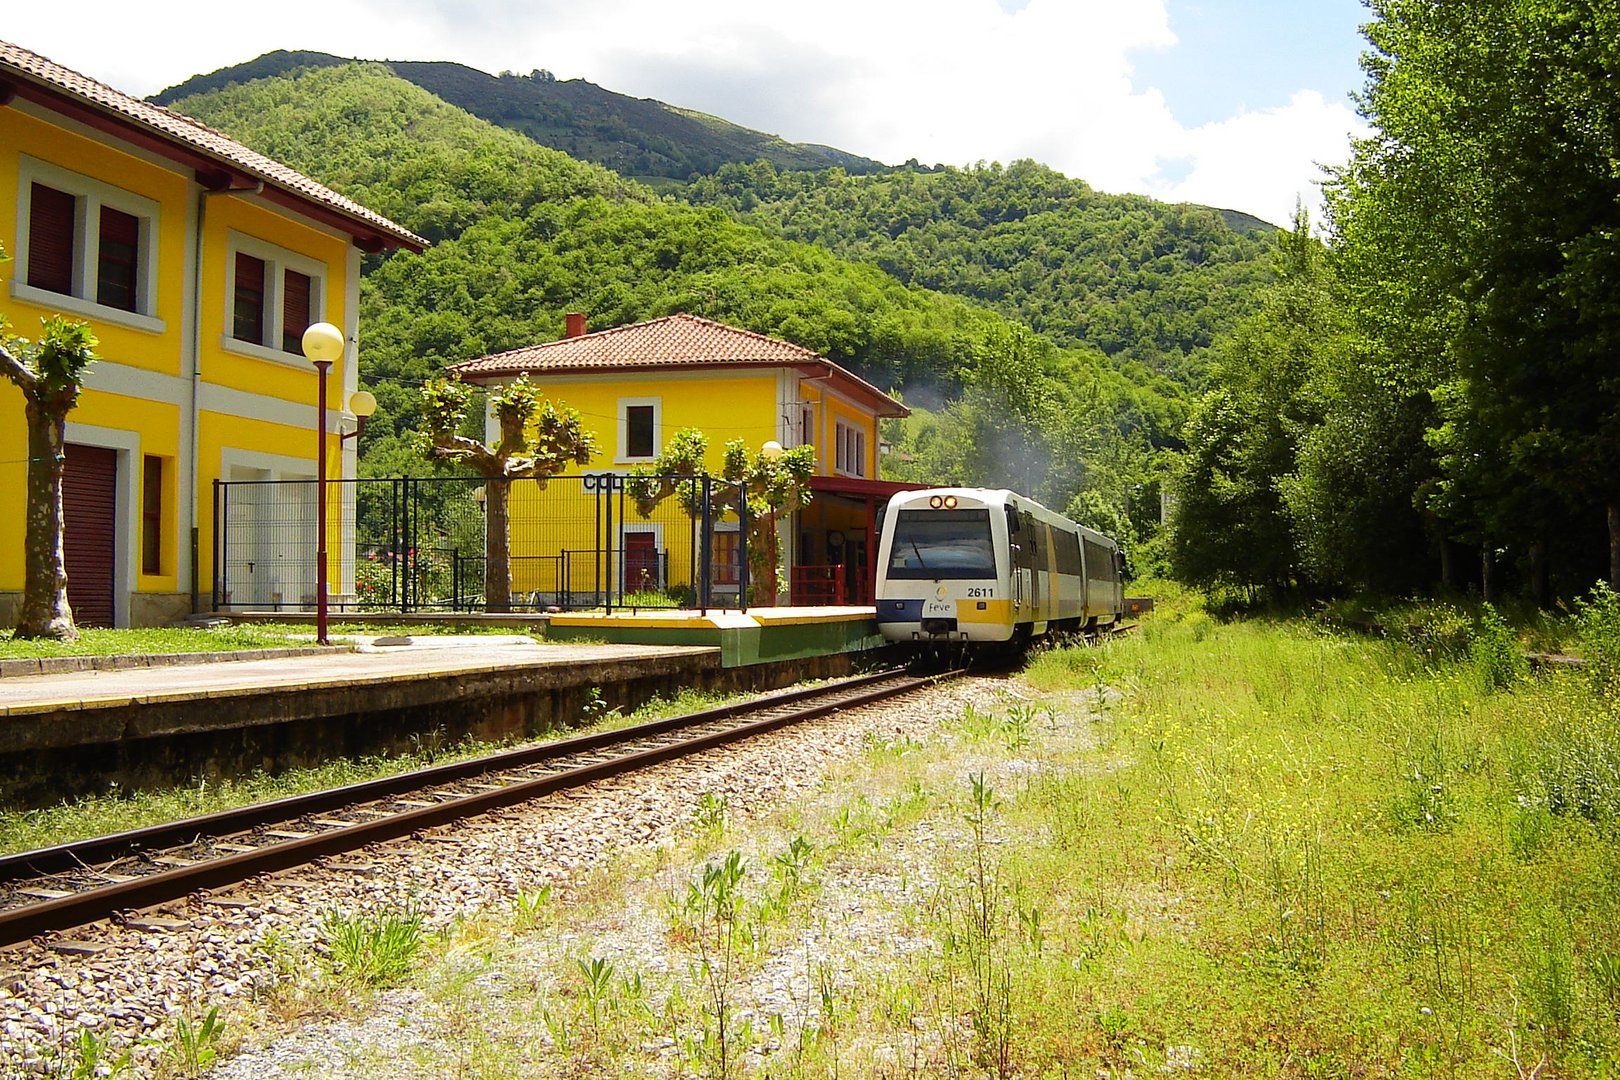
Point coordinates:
pixel 953 81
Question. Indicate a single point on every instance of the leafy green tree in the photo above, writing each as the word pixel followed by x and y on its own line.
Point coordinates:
pixel 1477 225
pixel 538 439
pixel 771 484
pixel 1232 525
pixel 50 374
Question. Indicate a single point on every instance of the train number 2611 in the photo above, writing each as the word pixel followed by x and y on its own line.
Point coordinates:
pixel 977 591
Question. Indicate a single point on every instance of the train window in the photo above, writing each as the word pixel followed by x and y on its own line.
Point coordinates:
pixel 1068 551
pixel 1100 562
pixel 933 544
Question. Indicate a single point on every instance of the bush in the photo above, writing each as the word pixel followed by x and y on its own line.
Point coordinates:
pixel 1436 632
pixel 1496 652
pixel 1598 621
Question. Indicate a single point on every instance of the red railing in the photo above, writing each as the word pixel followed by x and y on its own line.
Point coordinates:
pixel 819 586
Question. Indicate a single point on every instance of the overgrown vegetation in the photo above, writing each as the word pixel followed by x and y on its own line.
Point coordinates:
pixel 1251 847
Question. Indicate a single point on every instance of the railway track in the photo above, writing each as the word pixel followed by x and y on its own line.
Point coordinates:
pixel 70 885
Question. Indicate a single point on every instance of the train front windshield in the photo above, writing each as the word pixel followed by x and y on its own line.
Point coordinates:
pixel 936 544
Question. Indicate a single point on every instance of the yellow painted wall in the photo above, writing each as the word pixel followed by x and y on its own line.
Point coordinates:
pixel 22 134
pixel 158 425
pixel 723 406
pixel 840 411
pixel 290 376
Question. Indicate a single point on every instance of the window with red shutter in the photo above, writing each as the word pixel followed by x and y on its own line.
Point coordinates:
pixel 248 310
pixel 51 219
pixel 295 310
pixel 116 282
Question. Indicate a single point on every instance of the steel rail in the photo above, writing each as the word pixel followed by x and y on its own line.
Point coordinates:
pixel 20 923
pixel 78 853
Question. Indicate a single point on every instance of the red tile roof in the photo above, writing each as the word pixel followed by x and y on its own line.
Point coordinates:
pixel 215 155
pixel 673 342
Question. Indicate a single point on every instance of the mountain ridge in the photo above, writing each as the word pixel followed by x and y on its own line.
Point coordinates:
pixel 640 138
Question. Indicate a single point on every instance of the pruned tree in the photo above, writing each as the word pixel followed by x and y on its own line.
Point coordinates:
pixel 50 374
pixel 771 482
pixel 538 440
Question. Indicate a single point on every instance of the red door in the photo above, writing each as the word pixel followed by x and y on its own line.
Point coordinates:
pixel 89 531
pixel 641 562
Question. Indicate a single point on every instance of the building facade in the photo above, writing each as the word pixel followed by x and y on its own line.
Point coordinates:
pixel 637 385
pixel 197 263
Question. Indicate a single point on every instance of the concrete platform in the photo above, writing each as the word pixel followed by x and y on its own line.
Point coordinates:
pixel 66 735
pixel 758 636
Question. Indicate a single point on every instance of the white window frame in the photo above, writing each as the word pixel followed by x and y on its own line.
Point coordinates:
pixel 89 196
pixel 625 405
pixel 850 450
pixel 277 260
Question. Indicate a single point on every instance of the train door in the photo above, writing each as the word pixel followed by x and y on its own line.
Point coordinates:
pixel 1021 562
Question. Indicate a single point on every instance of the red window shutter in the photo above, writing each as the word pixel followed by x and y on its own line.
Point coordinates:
pixel 116 263
pixel 248 322
pixel 295 295
pixel 51 216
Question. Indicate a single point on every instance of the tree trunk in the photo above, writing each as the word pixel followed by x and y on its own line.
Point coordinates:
pixel 1487 574
pixel 45 612
pixel 497 550
pixel 1614 546
pixel 1448 570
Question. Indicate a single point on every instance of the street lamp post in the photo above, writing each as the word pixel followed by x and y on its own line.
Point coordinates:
pixel 323 343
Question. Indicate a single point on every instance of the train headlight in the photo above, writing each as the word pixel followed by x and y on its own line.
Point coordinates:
pixel 950 502
pixel 936 502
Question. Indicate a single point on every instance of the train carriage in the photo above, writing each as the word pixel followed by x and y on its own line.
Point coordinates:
pixel 984 567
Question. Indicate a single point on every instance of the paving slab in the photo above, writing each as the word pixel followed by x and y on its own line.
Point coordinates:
pixel 368 662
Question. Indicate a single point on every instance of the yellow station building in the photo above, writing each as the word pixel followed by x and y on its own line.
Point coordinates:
pixel 637 385
pixel 197 263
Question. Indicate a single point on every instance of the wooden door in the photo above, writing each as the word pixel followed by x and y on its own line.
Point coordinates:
pixel 90 532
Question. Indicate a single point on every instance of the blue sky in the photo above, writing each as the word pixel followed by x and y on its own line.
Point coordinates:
pixel 1253 54
pixel 1231 103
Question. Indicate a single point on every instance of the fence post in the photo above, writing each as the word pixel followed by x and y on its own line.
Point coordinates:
pixel 607 537
pixel 705 588
pixel 742 548
pixel 220 583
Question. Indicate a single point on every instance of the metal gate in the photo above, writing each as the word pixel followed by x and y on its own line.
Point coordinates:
pixel 420 544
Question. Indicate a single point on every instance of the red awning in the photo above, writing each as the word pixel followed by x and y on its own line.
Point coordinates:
pixel 860 488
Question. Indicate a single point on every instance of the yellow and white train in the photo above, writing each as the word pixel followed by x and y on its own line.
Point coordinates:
pixel 985 567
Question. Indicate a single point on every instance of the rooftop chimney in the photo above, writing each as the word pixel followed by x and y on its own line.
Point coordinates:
pixel 576 324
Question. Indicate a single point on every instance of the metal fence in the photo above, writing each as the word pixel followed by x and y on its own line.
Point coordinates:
pixel 420 544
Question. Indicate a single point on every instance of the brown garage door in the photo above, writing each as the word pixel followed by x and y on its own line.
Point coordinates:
pixel 90 522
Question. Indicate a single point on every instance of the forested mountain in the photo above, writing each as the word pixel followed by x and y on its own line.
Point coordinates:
pixel 636 137
pixel 524 234
pixel 1139 280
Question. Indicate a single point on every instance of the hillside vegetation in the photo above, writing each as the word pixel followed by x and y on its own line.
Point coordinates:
pixel 524 234
pixel 1142 281
pixel 637 137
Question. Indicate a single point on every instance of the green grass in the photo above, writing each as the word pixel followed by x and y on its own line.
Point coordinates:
pixel 1378 861
pixel 1214 848
pixel 151 642
pixel 236 637
pixel 1276 851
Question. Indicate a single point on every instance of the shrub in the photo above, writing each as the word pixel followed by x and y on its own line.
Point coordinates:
pixel 1496 652
pixel 1598 621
